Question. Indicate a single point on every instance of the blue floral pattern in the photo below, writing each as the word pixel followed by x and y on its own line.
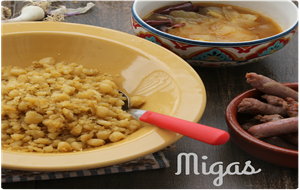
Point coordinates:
pixel 277 46
pixel 152 39
pixel 213 55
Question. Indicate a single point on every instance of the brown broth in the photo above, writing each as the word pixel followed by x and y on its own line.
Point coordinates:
pixel 264 27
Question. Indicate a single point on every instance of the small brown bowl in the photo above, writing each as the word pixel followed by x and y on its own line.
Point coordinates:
pixel 258 148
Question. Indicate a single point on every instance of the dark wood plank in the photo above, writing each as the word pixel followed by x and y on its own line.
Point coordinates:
pixel 222 85
pixel 109 14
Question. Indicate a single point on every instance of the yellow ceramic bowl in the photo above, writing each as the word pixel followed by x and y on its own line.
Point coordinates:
pixel 169 84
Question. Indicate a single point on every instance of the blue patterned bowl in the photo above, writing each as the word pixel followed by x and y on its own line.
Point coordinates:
pixel 220 54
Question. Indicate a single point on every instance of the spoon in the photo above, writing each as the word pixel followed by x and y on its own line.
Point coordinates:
pixel 193 130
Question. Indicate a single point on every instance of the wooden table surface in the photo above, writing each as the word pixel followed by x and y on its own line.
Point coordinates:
pixel 222 85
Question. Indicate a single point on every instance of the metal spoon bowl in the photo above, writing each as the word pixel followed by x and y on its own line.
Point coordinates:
pixel 193 130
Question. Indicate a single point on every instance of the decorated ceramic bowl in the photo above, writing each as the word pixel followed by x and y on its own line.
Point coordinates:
pixel 220 54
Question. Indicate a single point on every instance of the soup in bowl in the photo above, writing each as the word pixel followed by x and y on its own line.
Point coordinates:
pixel 218 33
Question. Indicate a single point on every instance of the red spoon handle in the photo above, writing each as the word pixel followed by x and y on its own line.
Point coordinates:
pixel 193 130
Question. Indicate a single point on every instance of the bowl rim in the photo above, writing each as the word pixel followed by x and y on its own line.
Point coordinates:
pixel 203 43
pixel 94 156
pixel 234 125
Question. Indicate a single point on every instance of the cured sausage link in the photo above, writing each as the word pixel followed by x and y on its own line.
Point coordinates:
pixel 268 118
pixel 255 107
pixel 273 100
pixel 274 128
pixel 291 107
pixel 269 86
